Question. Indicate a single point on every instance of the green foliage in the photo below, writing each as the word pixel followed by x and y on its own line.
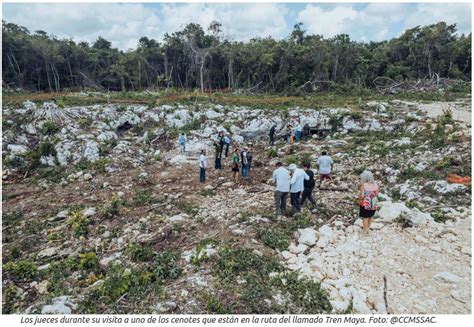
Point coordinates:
pixel 446 162
pixel 200 256
pixel 292 159
pixel 54 236
pixel 43 149
pixel 113 209
pixel 305 294
pixel 412 204
pixel 409 173
pixel 272 153
pixel 264 276
pixel 88 261
pixel 215 306
pixel 166 265
pixel 12 218
pixel 11 299
pixel 380 148
pixel 22 270
pixel 49 128
pixel 335 121
pixel 117 283
pixel 446 117
pixel 186 207
pixel 138 252
pixel 403 221
pixel 143 197
pixel 274 238
pixel 439 216
pixel 414 54
pixel 438 137
pixel 208 193
pixel 193 125
pixel 99 165
pixel 242 261
pixel 85 122
pixel 79 223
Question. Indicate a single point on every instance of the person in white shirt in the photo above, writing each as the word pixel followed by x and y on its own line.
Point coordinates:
pixel 281 177
pixel 297 185
pixel 325 164
pixel 202 166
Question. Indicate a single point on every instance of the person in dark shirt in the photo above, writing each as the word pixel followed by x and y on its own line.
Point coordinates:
pixel 217 162
pixel 306 131
pixel 272 135
pixel 308 186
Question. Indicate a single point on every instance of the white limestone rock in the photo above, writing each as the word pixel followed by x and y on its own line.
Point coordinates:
pixel 60 305
pixel 447 277
pixel 307 236
pixel 49 252
pixel 300 248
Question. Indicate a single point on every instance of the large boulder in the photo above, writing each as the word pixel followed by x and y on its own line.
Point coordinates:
pixel 17 149
pixel 307 236
pixel 389 211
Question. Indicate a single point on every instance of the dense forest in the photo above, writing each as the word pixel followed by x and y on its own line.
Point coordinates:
pixel 207 59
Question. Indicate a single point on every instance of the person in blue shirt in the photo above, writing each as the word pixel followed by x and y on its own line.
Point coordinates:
pixel 182 142
pixel 227 141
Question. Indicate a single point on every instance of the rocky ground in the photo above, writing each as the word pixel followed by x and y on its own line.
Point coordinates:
pixel 102 214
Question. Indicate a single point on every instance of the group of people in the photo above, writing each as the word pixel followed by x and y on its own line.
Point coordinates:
pixel 297 183
pixel 293 133
pixel 241 158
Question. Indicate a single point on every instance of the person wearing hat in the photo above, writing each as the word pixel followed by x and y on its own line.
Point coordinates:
pixel 297 185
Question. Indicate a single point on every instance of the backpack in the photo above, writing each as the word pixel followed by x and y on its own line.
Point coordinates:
pixel 370 200
pixel 182 139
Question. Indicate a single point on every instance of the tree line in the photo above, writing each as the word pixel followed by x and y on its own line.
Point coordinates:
pixel 209 60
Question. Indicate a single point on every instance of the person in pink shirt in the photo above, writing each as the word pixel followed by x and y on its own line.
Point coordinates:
pixel 368 196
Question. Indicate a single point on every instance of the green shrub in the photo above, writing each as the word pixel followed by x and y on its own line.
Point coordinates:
pixel 305 294
pixel 49 128
pixel 116 284
pixel 440 217
pixel 166 265
pixel 137 252
pixel 11 299
pixel 21 270
pixel 113 208
pixel 272 153
pixel 88 261
pixel 274 238
pixel 79 223
pixel 445 118
pixel 143 197
pixel 43 149
pixel 215 306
